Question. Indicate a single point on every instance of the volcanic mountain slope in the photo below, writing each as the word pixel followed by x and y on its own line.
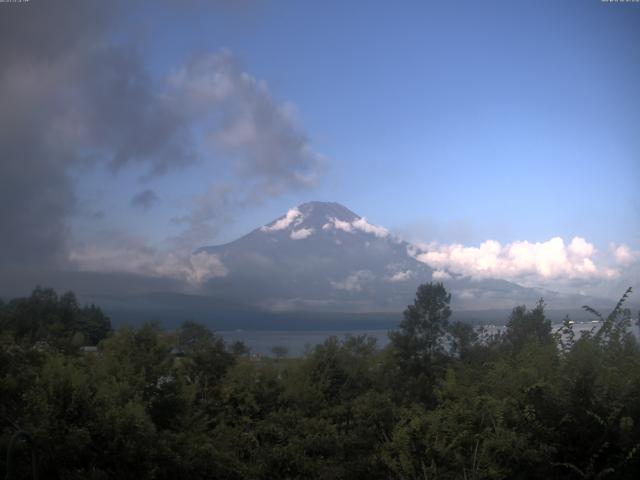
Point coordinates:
pixel 323 257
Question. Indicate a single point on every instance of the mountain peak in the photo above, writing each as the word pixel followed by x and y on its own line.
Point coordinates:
pixel 311 215
pixel 327 209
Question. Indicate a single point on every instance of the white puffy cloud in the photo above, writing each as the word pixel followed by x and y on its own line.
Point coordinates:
pixel 293 216
pixel 358 224
pixel 521 260
pixel 338 225
pixel 195 268
pixel 203 266
pixel 363 225
pixel 440 275
pixel 401 276
pixel 132 254
pixel 301 233
pixel 624 255
pixel 581 248
pixel 354 282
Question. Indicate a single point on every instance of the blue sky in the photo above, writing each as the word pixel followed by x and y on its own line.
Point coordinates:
pixel 455 122
pixel 520 120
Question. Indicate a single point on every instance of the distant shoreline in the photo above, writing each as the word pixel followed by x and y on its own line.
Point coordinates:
pixel 262 341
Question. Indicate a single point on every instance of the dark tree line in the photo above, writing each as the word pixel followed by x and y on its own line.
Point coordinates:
pixel 441 401
pixel 56 320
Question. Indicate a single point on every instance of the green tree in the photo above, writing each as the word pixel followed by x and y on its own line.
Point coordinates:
pixel 463 338
pixel 280 351
pixel 528 326
pixel 59 321
pixel 418 347
pixel 424 325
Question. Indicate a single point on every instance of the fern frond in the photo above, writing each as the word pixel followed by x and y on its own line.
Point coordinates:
pixel 618 306
pixel 605 471
pixel 571 467
pixel 593 311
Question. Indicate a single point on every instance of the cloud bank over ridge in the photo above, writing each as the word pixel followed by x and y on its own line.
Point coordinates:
pixel 527 262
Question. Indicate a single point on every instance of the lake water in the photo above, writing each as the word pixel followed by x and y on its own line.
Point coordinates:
pixel 297 341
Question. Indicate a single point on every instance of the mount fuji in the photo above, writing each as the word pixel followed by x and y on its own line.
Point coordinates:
pixel 319 266
pixel 322 257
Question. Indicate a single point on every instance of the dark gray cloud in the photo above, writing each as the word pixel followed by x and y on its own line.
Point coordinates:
pixel 40 30
pixel 126 120
pixel 35 196
pixel 145 199
pixel 66 92
pixel 36 42
pixel 73 99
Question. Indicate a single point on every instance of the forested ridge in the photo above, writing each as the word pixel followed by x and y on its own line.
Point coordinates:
pixel 441 401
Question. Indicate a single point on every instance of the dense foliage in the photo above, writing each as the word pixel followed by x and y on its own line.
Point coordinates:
pixel 441 401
